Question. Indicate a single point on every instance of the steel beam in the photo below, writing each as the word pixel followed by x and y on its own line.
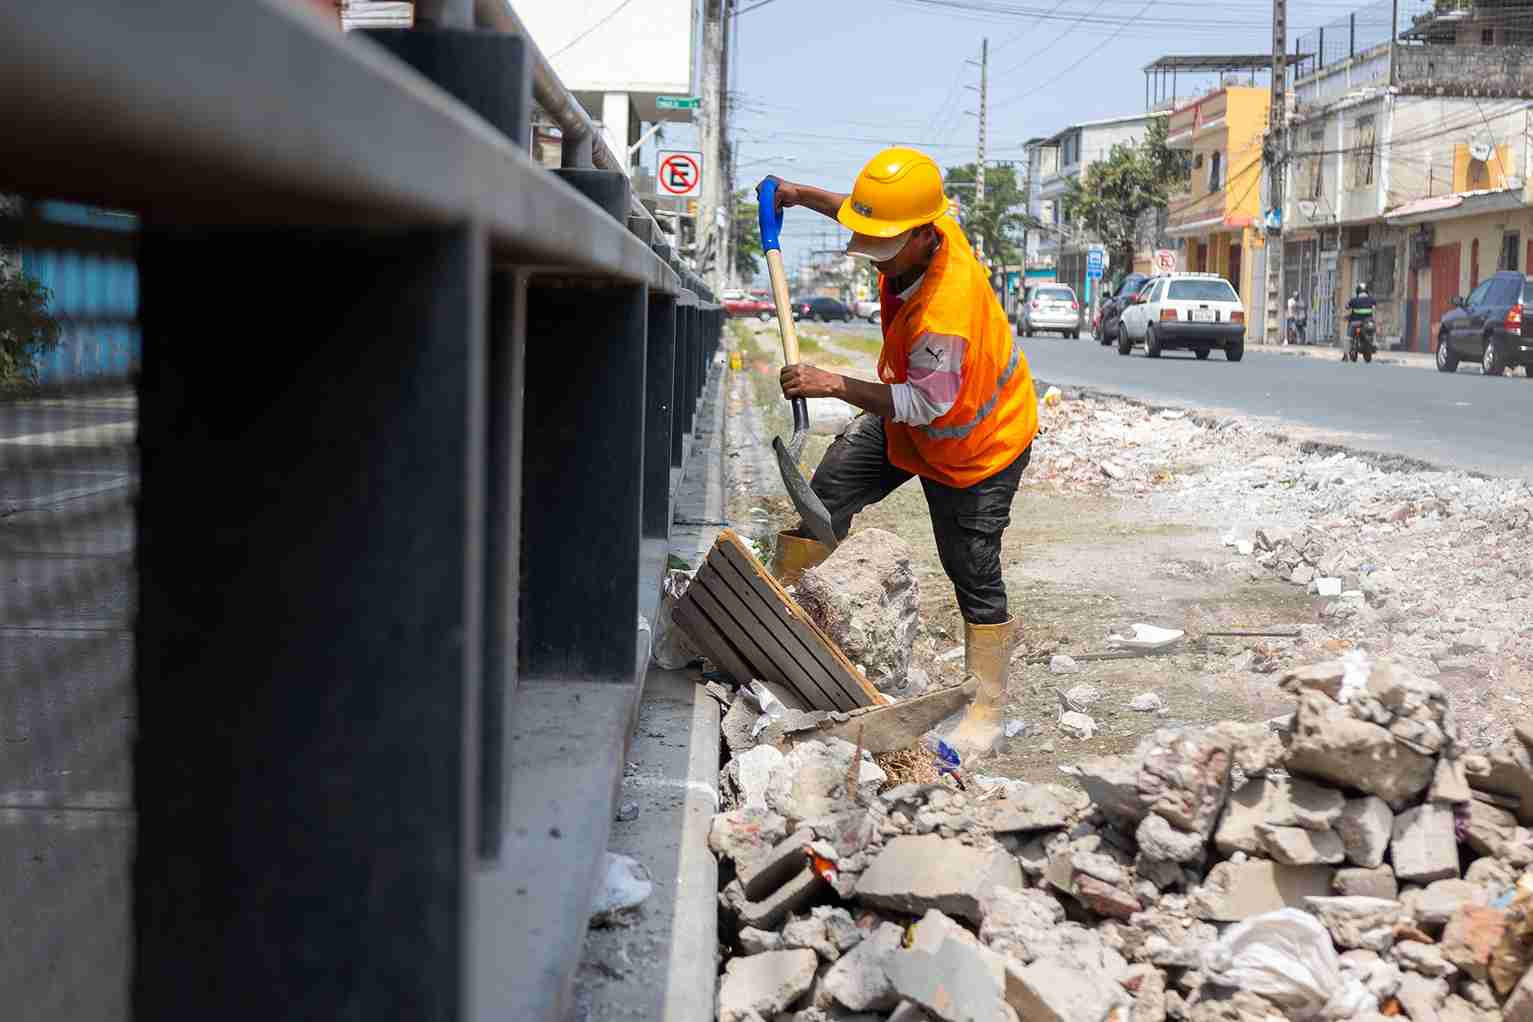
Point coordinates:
pixel 659 383
pixel 308 633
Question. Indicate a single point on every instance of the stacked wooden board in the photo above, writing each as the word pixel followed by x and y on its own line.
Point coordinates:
pixel 745 622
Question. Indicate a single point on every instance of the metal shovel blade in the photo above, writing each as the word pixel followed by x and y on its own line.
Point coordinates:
pixel 808 503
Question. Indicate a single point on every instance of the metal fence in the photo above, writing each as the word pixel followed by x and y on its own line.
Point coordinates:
pixel 1357 33
pixel 324 552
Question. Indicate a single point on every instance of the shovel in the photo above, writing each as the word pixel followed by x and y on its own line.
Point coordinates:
pixel 810 507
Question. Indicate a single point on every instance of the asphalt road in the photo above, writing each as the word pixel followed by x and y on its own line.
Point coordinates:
pixel 1464 420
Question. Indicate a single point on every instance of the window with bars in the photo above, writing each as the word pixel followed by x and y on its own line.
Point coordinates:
pixel 1315 165
pixel 1362 154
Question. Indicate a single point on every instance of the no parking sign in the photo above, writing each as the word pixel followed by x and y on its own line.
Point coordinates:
pixel 679 173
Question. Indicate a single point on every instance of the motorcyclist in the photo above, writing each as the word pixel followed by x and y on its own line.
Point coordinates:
pixel 1360 308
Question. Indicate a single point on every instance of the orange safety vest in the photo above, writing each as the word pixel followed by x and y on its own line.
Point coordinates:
pixel 996 413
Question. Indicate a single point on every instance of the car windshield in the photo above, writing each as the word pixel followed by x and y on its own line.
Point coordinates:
pixel 1202 291
pixel 1130 285
pixel 1057 294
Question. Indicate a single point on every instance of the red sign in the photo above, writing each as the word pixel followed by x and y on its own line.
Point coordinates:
pixel 680 174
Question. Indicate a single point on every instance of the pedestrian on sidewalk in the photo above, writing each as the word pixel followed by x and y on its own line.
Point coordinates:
pixel 1296 320
pixel 954 402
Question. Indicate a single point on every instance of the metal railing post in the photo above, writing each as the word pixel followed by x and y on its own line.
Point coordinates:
pixel 659 405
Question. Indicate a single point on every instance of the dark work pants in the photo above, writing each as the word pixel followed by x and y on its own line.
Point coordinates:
pixel 968 523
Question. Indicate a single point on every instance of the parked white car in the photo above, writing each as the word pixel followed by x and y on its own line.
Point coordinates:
pixel 865 308
pixel 1049 307
pixel 1194 311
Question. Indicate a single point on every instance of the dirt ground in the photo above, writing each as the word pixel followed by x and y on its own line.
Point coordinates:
pixel 1079 566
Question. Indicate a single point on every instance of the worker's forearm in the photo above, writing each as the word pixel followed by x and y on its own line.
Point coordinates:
pixel 826 203
pixel 877 398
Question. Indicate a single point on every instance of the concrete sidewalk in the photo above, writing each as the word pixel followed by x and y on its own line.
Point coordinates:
pixel 1411 359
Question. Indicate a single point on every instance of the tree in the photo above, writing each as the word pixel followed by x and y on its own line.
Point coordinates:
pixel 27 329
pixel 746 236
pixel 1131 181
pixel 999 219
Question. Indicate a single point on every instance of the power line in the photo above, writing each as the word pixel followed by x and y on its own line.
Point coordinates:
pixel 599 23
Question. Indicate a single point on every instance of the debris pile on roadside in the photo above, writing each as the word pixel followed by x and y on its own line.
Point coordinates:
pixel 1421 565
pixel 1352 860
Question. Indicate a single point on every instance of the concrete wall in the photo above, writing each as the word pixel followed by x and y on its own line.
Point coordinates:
pixel 1429 131
pixel 1483 71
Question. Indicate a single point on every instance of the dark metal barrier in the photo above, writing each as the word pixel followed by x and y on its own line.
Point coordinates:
pixel 410 421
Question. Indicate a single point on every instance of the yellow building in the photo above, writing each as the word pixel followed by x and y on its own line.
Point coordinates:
pixel 1216 218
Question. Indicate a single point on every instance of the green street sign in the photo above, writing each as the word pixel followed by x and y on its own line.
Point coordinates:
pixel 678 102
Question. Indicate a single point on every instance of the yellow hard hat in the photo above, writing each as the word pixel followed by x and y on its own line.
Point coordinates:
pixel 898 190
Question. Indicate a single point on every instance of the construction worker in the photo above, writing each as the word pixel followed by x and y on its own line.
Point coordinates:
pixel 953 404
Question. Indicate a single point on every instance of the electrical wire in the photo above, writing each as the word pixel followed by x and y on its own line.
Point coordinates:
pixel 599 23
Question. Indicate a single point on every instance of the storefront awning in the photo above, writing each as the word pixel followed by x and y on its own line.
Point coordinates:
pixel 1213 223
pixel 1454 205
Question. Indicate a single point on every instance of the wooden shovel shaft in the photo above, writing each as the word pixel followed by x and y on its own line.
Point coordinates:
pixel 784 307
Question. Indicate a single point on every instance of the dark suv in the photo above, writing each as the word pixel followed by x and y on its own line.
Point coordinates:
pixel 1489 326
pixel 1112 308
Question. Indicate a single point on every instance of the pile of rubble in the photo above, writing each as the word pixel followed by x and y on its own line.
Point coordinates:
pixel 1352 860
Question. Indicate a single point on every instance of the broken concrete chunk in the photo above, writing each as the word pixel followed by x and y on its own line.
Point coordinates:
pixel 1030 808
pixel 1365 826
pixel 1295 846
pixel 1184 775
pixel 746 834
pixel 1433 905
pixel 1510 774
pixel 1519 1006
pixel 1472 934
pixel 1103 898
pixel 1424 847
pixel 1016 922
pixel 766 871
pixel 1167 940
pixel 1112 784
pixel 858 980
pixel 769 912
pixel 1159 840
pixel 1330 744
pixel 866 598
pixel 1234 891
pixel 1378 882
pixel 1221 1004
pixel 755 773
pixel 916 872
pixel 1488 828
pixel 759 986
pixel 811 782
pixel 1053 991
pixel 1356 922
pixel 754 941
pixel 958 982
pixel 826 931
pixel 928 933
pixel 1421 996
pixel 1450 781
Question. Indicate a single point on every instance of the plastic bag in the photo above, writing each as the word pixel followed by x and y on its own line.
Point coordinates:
pixel 671 648
pixel 1287 957
pixel 771 707
pixel 625 884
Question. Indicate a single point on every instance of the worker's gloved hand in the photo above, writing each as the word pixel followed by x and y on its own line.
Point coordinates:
pixel 787 192
pixel 807 381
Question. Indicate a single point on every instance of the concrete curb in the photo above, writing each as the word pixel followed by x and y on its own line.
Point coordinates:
pixel 1411 360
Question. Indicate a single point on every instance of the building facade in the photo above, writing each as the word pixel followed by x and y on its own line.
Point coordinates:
pixel 1075 149
pixel 1215 221
pixel 1407 166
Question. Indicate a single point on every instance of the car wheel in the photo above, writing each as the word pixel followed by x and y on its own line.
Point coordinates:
pixel 1447 358
pixel 763 315
pixel 1491 363
pixel 1151 345
pixel 1235 350
pixel 1202 353
pixel 1125 342
pixel 1075 335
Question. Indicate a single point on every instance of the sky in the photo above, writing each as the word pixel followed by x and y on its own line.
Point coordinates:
pixel 820 85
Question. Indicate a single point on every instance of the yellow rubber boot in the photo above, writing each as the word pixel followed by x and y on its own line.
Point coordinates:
pixel 987 656
pixel 794 555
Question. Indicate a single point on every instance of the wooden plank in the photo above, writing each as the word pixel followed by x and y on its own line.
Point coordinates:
pixel 710 641
pixel 782 654
pixel 819 645
pixel 759 649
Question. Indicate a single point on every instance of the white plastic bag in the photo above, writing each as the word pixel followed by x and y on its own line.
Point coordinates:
pixel 771 707
pixel 672 648
pixel 1287 957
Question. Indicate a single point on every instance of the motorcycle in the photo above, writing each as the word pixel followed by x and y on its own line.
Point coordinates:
pixel 1362 335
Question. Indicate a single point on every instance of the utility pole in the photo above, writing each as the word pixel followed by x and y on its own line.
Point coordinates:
pixel 1277 166
pixel 710 115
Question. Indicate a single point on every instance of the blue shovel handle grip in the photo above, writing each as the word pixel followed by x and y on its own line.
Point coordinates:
pixel 771 216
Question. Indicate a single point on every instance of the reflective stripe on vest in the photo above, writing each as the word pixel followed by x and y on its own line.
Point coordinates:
pixel 959 432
